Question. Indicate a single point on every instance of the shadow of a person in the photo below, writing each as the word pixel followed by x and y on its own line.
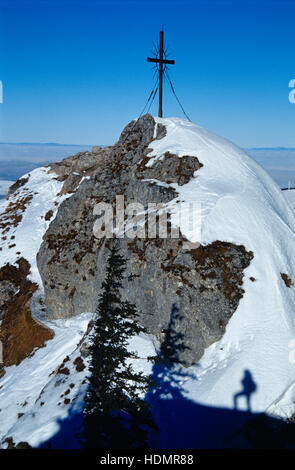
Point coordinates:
pixel 249 387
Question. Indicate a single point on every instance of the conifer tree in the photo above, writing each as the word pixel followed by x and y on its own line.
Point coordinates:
pixel 115 415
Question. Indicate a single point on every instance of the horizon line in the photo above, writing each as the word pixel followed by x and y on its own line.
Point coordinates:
pixel 47 143
pixel 57 144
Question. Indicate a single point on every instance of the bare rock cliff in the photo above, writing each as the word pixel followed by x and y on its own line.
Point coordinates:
pixel 203 284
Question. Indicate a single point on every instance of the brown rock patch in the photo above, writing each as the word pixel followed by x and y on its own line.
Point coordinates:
pixel 48 215
pixel 18 184
pixel 20 333
pixel 169 169
pixel 287 280
pixel 79 364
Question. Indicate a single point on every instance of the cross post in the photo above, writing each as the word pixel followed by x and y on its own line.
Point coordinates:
pixel 161 61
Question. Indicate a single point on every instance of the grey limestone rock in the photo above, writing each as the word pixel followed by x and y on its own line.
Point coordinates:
pixel 203 283
pixel 7 291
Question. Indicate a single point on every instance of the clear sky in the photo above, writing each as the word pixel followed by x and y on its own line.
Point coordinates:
pixel 75 71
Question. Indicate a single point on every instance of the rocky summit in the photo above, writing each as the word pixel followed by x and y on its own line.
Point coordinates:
pixel 202 284
pixel 209 240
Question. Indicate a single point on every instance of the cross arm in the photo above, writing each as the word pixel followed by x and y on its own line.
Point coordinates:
pixel 160 61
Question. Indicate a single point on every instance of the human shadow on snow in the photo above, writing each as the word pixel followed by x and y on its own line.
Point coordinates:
pixel 185 424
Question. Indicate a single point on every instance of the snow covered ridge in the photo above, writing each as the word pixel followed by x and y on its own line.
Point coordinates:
pixel 46 389
pixel 228 177
pixel 22 217
pixel 31 203
pixel 240 203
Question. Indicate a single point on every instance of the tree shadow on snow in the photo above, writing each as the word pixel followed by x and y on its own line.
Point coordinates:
pixel 68 435
pixel 185 424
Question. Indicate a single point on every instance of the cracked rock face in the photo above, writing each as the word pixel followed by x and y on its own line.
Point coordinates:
pixel 203 284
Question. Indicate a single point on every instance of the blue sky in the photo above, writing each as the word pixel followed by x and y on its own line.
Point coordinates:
pixel 75 71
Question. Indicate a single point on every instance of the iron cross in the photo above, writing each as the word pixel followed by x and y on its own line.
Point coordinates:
pixel 161 61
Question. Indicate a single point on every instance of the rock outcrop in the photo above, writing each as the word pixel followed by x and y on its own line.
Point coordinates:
pixel 20 333
pixel 203 283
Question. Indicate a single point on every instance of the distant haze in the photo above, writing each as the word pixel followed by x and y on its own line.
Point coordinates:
pixel 18 159
pixel 279 163
pixel 38 153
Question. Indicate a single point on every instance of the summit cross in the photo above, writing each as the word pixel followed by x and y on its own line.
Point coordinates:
pixel 160 61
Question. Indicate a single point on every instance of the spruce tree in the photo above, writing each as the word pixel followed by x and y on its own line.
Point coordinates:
pixel 115 415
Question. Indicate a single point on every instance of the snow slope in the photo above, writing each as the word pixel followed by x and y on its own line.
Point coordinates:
pixel 31 406
pixel 290 197
pixel 44 189
pixel 240 203
pixel 52 402
pixel 22 384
